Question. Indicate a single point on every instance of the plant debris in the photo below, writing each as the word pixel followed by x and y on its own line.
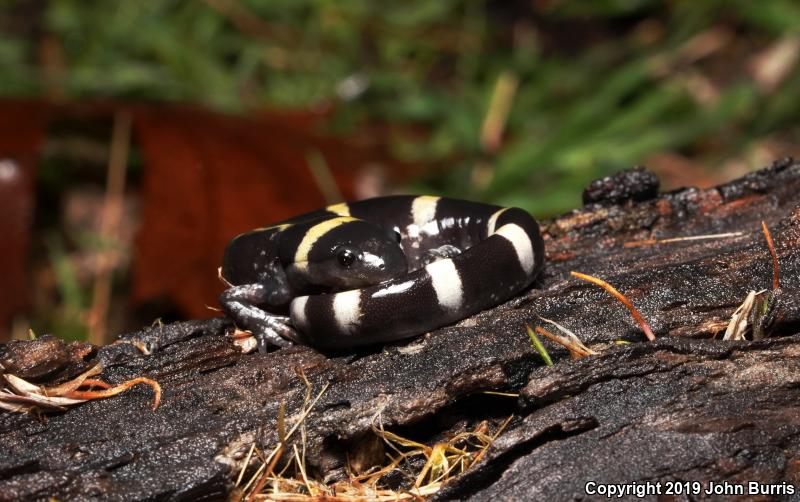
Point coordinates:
pixel 760 309
pixel 442 461
pixel 265 472
pixel 740 320
pixel 22 396
pixel 244 340
pixel 571 342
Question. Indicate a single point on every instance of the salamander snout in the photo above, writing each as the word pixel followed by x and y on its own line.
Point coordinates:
pixel 393 263
pixel 380 261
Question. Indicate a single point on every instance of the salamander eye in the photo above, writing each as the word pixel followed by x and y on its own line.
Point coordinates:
pixel 397 236
pixel 345 256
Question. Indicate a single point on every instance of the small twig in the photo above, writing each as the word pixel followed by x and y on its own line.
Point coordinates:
pixel 619 296
pixel 776 283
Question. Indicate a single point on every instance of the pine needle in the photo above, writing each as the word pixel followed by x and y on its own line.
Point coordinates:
pixel 651 242
pixel 776 282
pixel 619 296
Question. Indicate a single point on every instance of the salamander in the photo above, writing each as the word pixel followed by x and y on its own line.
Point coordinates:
pixel 377 270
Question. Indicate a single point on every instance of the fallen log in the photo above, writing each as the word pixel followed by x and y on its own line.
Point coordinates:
pixel 688 407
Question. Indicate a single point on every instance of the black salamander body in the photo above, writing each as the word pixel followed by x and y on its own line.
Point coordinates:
pixel 378 270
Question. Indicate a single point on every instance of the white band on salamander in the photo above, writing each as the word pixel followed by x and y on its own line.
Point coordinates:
pixel 297 309
pixel 347 310
pixel 490 226
pixel 447 284
pixel 393 289
pixel 521 242
pixel 423 209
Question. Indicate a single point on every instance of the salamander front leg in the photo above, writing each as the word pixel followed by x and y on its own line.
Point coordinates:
pixel 240 303
pixel 440 253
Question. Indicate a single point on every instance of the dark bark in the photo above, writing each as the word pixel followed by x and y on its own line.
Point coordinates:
pixel 686 407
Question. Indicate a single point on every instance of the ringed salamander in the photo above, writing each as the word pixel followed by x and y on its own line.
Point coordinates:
pixel 377 270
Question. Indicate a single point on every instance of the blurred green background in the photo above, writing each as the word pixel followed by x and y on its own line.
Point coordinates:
pixel 517 102
pixel 514 102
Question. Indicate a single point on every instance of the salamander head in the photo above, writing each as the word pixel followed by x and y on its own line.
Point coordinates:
pixel 355 254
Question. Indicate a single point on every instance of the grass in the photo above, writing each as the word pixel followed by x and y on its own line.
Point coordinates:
pixel 537 344
pixel 492 96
